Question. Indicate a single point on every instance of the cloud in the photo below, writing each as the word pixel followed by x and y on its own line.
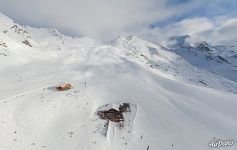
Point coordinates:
pixel 96 18
pixel 183 27
pixel 107 19
pixel 224 31
pixel 217 31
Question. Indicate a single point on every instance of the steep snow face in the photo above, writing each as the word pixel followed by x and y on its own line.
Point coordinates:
pixel 16 45
pixel 219 60
pixel 167 112
pixel 183 67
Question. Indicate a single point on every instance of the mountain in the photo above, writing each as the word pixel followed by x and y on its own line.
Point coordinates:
pixel 191 65
pixel 215 59
pixel 173 103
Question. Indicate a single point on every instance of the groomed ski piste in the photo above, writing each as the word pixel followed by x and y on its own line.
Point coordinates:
pixel 170 108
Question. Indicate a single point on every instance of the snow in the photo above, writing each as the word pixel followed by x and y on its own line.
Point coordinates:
pixel 168 110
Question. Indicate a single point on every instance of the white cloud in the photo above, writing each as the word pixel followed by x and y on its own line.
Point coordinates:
pixel 184 27
pixel 227 32
pixel 97 18
pixel 221 30
pixel 224 32
pixel 109 18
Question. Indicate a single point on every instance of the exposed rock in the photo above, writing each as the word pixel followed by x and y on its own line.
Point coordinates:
pixel 3 44
pixel 223 59
pixel 204 47
pixel 18 29
pixel 26 42
pixel 111 114
pixel 125 107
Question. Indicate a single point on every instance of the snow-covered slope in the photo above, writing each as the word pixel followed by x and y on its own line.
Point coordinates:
pixel 163 61
pixel 220 60
pixel 168 109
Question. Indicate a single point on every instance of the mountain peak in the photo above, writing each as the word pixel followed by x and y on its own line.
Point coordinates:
pixel 204 46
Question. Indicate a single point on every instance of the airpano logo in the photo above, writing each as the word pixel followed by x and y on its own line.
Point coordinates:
pixel 221 143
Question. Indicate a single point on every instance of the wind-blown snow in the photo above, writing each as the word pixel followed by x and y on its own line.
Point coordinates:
pixel 176 105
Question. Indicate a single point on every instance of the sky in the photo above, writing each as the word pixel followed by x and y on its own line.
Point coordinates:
pixel 154 20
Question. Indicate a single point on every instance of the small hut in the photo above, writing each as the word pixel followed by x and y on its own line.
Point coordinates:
pixel 63 87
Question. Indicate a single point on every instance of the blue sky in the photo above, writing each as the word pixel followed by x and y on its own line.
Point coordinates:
pixel 201 8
